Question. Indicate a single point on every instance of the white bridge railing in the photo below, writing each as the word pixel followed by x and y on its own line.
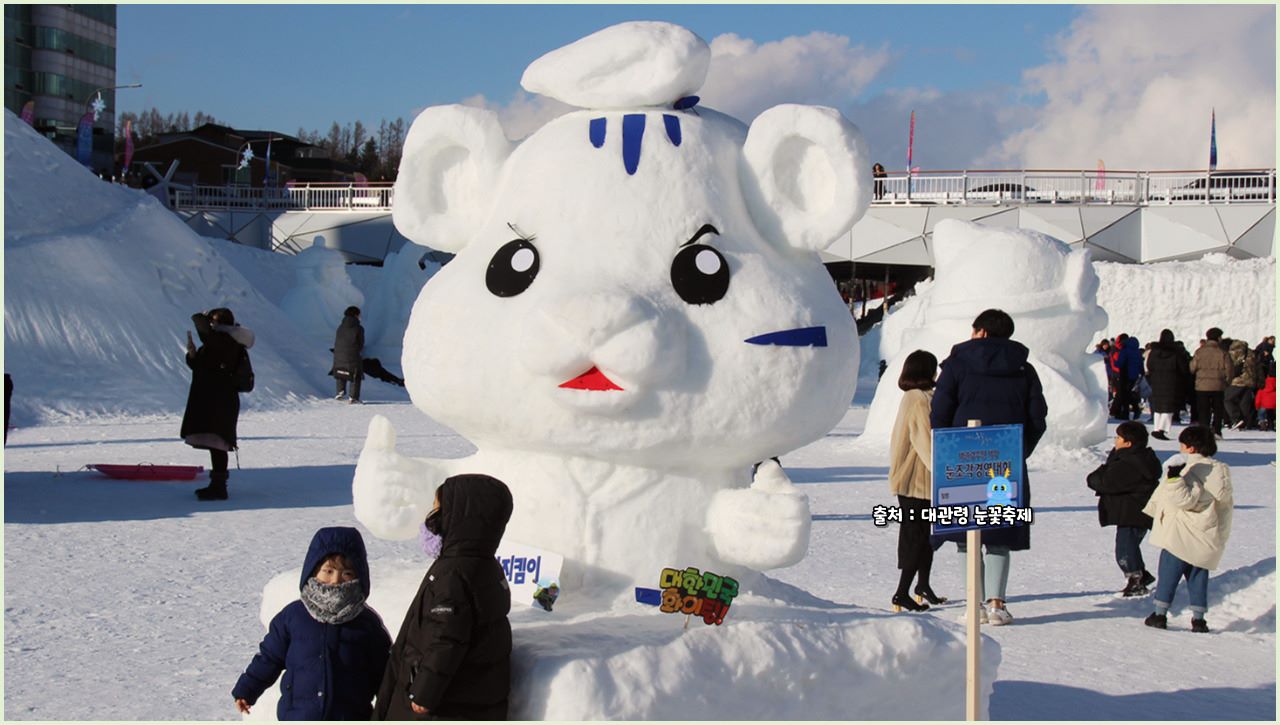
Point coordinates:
pixel 1240 186
pixel 1077 187
pixel 298 197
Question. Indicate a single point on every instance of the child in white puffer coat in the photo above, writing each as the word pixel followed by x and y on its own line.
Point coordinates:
pixel 1191 510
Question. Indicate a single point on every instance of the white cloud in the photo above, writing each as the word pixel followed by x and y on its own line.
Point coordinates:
pixel 523 114
pixel 1134 85
pixel 746 78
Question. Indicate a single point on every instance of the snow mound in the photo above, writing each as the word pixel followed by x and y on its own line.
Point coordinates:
pixel 1190 297
pixel 100 285
pixel 636 663
pixel 1244 599
pixel 321 292
pixel 1054 457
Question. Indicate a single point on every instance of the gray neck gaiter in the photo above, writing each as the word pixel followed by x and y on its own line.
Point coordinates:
pixel 333 603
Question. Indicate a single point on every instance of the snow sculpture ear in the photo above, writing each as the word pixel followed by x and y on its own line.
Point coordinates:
pixel 1080 281
pixel 805 175
pixel 452 158
pixel 950 239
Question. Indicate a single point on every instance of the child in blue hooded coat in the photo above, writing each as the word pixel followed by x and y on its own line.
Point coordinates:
pixel 331 647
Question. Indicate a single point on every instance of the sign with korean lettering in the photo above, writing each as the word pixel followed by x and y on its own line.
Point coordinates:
pixel 528 569
pixel 693 592
pixel 977 478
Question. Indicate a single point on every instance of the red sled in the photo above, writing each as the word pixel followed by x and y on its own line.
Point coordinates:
pixel 148 472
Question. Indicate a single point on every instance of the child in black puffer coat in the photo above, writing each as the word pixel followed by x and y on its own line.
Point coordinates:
pixel 452 658
pixel 331 647
pixel 1123 485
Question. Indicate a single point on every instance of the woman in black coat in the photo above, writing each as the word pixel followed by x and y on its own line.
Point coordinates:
pixel 1167 373
pixel 348 343
pixel 213 402
pixel 452 658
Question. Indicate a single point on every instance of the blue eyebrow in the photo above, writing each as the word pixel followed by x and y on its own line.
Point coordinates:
pixel 798 337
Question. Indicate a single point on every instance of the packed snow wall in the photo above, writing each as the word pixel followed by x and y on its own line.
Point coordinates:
pixel 1237 295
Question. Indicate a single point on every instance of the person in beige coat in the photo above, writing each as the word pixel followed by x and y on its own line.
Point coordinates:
pixel 1191 514
pixel 1211 366
pixel 910 479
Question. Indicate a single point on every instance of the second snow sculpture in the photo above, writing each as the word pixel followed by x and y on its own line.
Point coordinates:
pixel 1050 290
pixel 636 313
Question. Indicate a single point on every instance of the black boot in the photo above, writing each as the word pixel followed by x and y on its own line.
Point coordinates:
pixel 217 488
pixel 1135 587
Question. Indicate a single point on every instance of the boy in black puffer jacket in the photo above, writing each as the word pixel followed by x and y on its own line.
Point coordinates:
pixel 331 647
pixel 1123 484
pixel 452 658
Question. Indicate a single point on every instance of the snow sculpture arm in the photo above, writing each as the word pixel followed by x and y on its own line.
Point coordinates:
pixel 391 493
pixel 762 527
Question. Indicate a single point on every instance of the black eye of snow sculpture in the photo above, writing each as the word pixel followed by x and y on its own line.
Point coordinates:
pixel 512 268
pixel 700 274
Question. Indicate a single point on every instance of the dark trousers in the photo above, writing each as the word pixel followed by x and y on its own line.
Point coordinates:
pixel 1238 402
pixel 1125 405
pixel 1128 551
pixel 915 555
pixel 355 387
pixel 1210 410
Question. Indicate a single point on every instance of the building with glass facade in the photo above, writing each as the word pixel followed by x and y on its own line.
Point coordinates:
pixel 58 56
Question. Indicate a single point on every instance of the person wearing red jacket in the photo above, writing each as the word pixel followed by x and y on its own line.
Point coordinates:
pixel 1265 401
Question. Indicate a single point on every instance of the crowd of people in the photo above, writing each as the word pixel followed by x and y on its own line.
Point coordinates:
pixel 989 379
pixel 1224 385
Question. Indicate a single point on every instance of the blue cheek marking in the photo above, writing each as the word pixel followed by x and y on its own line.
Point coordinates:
pixel 799 337
pixel 596 132
pixel 673 128
pixel 632 132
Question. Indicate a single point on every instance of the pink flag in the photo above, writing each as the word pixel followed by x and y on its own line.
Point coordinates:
pixel 361 179
pixel 128 145
pixel 1101 181
pixel 29 112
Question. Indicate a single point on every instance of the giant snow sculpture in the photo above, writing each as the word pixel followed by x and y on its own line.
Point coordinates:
pixel 1051 293
pixel 636 313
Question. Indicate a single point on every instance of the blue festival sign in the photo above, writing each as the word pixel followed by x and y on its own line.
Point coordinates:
pixel 978 479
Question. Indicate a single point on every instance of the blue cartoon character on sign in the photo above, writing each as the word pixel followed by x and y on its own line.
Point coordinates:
pixel 998 489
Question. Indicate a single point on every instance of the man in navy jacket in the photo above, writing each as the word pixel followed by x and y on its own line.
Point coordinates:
pixel 988 378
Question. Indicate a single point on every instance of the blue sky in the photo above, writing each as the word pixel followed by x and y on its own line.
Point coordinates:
pixel 962 67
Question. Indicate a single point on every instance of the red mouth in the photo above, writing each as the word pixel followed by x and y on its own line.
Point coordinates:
pixel 592 379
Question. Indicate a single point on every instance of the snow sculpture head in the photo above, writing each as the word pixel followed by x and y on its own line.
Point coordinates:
pixel 1051 293
pixel 636 282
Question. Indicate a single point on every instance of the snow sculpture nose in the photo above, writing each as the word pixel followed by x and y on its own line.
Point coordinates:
pixel 625 336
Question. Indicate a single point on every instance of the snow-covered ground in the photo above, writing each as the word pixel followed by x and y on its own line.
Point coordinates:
pixel 147 600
